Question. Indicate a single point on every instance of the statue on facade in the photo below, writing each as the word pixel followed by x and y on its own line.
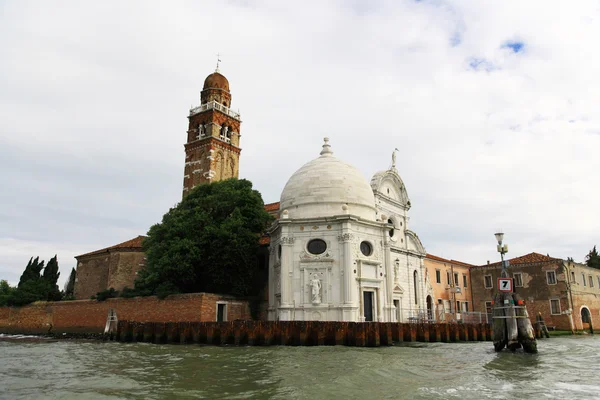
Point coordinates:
pixel 396 270
pixel 394 157
pixel 315 289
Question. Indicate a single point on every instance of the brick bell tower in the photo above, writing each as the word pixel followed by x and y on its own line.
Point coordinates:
pixel 212 151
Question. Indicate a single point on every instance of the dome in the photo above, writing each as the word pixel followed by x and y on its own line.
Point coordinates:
pixel 216 81
pixel 327 186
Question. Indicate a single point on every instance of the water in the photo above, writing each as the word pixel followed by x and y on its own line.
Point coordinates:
pixel 565 368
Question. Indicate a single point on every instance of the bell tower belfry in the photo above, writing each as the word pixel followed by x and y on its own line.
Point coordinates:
pixel 212 150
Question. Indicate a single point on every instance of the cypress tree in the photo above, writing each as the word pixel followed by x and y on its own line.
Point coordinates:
pixel 50 277
pixel 70 286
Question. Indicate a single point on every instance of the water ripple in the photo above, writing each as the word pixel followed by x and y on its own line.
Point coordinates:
pixel 564 368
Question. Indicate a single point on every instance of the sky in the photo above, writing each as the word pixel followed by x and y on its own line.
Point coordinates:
pixel 492 105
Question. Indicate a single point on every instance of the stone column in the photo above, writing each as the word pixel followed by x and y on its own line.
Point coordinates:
pixel 389 281
pixel 347 267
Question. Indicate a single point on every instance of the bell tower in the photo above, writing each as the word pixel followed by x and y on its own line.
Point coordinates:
pixel 212 150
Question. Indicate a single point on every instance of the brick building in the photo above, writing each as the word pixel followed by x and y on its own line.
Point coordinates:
pixel 113 267
pixel 451 286
pixel 567 294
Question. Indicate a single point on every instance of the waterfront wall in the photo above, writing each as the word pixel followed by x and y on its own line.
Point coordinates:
pixel 89 316
pixel 298 333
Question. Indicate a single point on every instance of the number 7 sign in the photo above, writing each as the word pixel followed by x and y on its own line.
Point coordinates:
pixel 505 284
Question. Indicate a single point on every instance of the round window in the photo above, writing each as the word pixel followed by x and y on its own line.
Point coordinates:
pixel 316 246
pixel 366 248
pixel 391 232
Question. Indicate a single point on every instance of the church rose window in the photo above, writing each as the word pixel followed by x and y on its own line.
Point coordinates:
pixel 366 248
pixel 316 246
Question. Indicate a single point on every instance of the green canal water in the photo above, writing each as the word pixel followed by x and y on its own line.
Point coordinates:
pixel 566 367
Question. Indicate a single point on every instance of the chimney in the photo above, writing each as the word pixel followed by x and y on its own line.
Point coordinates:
pixel 488 262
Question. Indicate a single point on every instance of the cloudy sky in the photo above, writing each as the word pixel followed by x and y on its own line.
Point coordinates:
pixel 493 105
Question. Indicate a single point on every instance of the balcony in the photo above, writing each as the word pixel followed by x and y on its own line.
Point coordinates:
pixel 213 105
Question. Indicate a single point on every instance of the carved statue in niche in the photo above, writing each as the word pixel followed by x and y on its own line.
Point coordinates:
pixel 315 289
pixel 200 131
pixel 396 270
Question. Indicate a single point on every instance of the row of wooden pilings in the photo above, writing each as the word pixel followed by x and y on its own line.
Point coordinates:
pixel 298 333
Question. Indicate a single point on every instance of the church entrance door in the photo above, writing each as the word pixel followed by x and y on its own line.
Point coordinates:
pixel 368 304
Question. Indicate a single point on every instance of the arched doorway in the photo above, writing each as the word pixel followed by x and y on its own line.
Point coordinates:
pixel 429 308
pixel 586 319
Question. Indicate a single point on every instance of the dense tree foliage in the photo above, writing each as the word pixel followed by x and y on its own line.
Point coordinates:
pixel 35 286
pixel 50 277
pixel 593 259
pixel 207 243
pixel 32 271
pixel 6 292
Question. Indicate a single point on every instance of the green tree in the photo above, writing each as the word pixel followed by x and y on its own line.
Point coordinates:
pixel 207 243
pixel 50 277
pixel 593 259
pixel 69 290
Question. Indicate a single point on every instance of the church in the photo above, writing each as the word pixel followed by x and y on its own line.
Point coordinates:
pixel 340 249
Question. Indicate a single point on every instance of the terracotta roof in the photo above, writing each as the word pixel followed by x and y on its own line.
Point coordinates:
pixel 135 243
pixel 530 258
pixel 432 257
pixel 272 207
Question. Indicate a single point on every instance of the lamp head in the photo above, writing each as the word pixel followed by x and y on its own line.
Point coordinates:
pixel 499 237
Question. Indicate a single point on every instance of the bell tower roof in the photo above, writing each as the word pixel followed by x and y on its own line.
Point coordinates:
pixel 216 81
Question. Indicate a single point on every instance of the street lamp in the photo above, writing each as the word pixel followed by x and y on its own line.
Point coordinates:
pixel 502 249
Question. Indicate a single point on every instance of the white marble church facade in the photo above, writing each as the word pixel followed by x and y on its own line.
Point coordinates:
pixel 341 249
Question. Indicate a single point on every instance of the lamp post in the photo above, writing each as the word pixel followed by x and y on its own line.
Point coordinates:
pixel 502 249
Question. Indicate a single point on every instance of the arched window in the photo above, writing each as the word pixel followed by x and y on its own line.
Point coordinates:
pixel 415 278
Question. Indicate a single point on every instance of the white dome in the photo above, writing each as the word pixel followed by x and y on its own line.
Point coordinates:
pixel 324 187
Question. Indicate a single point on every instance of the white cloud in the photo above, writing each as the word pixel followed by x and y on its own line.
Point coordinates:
pixel 94 99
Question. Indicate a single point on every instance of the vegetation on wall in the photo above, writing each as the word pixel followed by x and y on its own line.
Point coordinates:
pixel 207 243
pixel 593 259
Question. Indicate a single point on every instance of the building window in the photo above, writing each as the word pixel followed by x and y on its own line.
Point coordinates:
pixel 487 280
pixel 465 306
pixel 456 279
pixel 599 281
pixel 316 246
pixel 583 279
pixel 221 312
pixel 448 278
pixel 554 306
pixel 464 280
pixel 573 277
pixel 551 277
pixel 591 280
pixel 518 277
pixel 488 307
pixel 366 248
pixel 438 276
pixel 391 231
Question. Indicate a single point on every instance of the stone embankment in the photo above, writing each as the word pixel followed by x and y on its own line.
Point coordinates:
pixel 298 333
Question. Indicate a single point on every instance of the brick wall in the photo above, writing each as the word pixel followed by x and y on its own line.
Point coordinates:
pixel 89 316
pixel 116 269
pixel 123 268
pixel 92 275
